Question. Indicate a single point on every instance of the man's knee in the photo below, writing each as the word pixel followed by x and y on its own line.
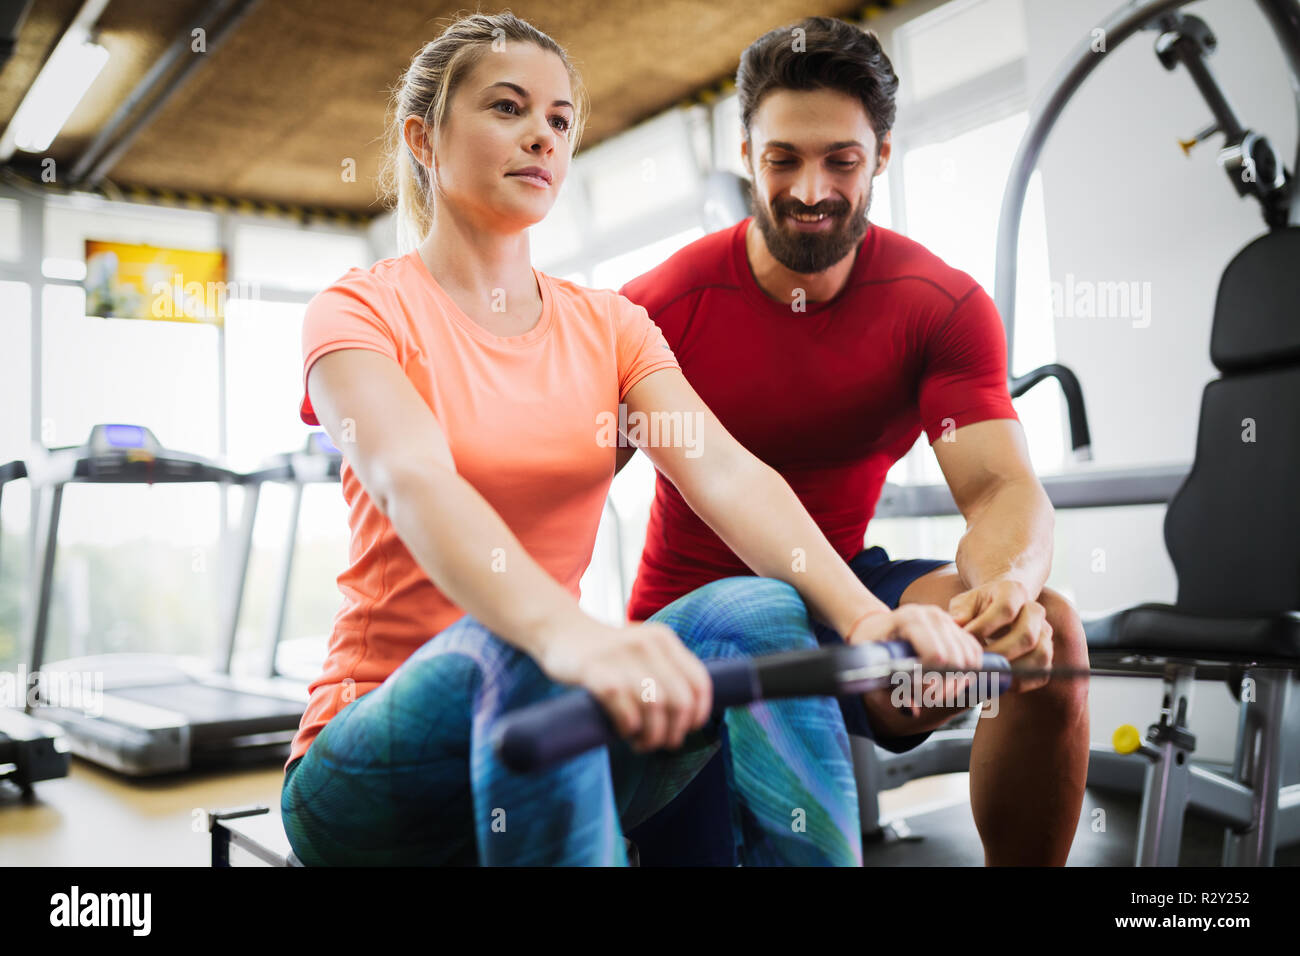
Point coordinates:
pixel 1069 651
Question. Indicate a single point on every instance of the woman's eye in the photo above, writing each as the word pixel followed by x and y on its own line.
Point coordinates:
pixel 564 127
pixel 508 103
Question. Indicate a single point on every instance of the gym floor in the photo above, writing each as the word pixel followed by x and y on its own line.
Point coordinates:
pixel 96 818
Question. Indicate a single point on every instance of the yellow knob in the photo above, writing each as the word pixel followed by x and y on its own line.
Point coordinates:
pixel 1186 145
pixel 1126 739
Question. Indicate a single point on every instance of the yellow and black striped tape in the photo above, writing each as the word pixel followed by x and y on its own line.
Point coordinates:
pixel 215 203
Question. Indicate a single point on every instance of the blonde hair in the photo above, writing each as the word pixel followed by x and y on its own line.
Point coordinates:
pixel 425 90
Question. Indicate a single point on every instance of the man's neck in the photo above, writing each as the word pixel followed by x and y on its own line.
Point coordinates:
pixel 780 284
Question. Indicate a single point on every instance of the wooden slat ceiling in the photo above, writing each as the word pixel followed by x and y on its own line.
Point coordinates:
pixel 300 85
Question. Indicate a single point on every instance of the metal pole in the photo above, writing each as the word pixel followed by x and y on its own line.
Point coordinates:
pixel 1119 27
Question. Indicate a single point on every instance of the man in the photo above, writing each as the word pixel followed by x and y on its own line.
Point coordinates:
pixel 826 345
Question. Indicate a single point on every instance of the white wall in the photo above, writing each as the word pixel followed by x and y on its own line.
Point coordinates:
pixel 1124 204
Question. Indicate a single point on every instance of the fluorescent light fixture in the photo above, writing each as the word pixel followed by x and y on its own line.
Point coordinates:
pixel 55 94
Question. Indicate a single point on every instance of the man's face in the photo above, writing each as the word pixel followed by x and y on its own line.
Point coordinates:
pixel 812 155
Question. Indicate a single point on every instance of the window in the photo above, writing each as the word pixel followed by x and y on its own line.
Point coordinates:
pixel 614 272
pixel 286 257
pixel 959 42
pixel 558 237
pixel 882 208
pixel 641 173
pixel 728 135
pixel 70 221
pixel 953 196
pixel 962 111
pixel 263 349
pixel 15 435
pixel 15 369
pixel 159 374
pixel 264 346
pixel 10 230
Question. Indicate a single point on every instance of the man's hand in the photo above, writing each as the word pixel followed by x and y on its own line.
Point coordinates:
pixel 1007 621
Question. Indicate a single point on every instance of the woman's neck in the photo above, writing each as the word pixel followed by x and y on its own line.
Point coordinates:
pixel 476 262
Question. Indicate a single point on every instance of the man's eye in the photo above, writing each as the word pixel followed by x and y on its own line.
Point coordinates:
pixel 844 163
pixel 780 162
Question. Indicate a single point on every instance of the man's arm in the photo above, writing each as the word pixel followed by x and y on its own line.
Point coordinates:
pixel 625 453
pixel 1009 518
pixel 747 503
pixel 1009 526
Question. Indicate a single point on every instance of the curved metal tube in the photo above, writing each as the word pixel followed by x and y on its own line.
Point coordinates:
pixel 1118 27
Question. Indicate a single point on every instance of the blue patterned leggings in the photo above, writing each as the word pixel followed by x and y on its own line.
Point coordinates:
pixel 406 774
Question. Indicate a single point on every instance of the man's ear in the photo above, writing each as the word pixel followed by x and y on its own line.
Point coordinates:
pixel 886 147
pixel 745 156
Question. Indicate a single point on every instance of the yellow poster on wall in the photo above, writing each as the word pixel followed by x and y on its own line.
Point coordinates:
pixel 127 281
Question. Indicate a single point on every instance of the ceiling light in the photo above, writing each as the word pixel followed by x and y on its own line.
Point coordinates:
pixel 55 94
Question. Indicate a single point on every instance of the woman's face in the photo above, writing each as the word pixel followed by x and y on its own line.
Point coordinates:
pixel 512 112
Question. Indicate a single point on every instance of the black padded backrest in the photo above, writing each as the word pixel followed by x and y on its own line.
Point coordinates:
pixel 1257 312
pixel 1233 528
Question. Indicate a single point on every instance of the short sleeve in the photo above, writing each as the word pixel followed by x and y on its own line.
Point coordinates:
pixel 347 315
pixel 642 348
pixel 964 374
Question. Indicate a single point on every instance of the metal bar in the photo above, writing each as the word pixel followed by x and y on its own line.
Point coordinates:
pixel 1117 28
pixel 285 578
pixel 76 32
pixel 1259 767
pixel 145 88
pixel 237 568
pixel 41 585
pixel 102 164
pixel 1164 798
pixel 1284 17
pixel 1083 489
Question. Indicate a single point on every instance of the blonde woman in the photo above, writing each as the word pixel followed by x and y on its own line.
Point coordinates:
pixel 470 395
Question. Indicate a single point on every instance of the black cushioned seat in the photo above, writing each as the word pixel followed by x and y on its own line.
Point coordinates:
pixel 1162 630
pixel 1233 527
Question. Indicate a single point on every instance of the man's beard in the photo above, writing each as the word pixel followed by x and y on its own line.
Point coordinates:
pixel 810 252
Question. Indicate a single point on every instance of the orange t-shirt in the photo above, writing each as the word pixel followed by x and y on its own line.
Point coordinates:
pixel 523 417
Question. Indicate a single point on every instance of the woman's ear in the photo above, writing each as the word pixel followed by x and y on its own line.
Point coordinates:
pixel 415 134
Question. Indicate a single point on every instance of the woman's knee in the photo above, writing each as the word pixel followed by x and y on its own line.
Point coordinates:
pixel 468 662
pixel 753 615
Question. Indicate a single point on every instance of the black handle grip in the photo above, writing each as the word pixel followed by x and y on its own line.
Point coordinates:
pixel 992 663
pixel 542 734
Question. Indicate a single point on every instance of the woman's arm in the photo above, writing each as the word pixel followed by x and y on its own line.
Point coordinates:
pixel 747 504
pixel 400 455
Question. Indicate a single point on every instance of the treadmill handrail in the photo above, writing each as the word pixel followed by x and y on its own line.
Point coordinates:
pixel 48 468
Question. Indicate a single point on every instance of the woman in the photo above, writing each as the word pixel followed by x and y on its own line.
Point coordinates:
pixel 470 395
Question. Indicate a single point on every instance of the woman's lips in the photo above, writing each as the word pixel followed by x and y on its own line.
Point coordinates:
pixel 535 180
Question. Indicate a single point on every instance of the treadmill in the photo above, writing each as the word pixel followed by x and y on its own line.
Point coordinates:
pixel 30 750
pixel 320 462
pixel 155 715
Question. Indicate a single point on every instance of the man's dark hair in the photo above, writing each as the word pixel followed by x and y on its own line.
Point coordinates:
pixel 828 54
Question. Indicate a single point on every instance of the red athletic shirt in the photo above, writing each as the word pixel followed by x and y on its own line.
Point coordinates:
pixel 830 397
